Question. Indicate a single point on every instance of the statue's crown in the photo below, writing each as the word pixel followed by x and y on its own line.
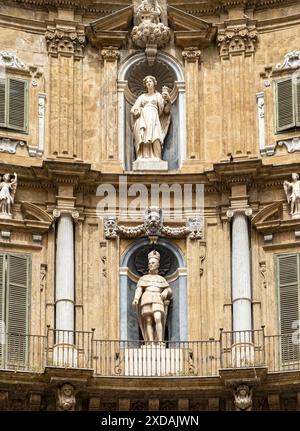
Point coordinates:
pixel 154 254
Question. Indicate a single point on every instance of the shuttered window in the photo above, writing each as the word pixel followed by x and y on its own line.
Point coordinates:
pixel 14 291
pixel 14 104
pixel 288 277
pixel 287 103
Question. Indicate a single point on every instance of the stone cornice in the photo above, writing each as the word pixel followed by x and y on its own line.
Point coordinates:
pixel 90 6
pixel 216 7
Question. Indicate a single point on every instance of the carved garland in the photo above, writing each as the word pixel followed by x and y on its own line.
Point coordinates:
pixel 153 228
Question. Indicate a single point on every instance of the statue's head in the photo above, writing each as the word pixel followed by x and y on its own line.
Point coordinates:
pixel 110 221
pixel 6 177
pixel 295 176
pixel 67 390
pixel 149 82
pixel 243 390
pixel 153 260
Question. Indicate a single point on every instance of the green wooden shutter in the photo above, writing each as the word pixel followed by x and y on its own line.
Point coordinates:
pixel 285 112
pixel 288 283
pixel 297 84
pixel 17 104
pixel 2 102
pixel 2 308
pixel 18 279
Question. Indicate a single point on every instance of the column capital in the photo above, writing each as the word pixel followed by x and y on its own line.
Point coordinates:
pixel 231 212
pixel 110 54
pixel 74 214
pixel 237 37
pixel 68 41
pixel 191 55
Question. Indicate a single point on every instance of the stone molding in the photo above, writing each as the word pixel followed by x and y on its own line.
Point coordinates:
pixel 291 61
pixel 10 59
pixel 10 145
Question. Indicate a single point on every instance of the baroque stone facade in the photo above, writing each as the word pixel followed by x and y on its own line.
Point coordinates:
pixel 77 248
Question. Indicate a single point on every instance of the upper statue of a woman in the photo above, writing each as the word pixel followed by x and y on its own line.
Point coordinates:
pixel 151 119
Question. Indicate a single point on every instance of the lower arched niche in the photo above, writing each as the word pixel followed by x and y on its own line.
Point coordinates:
pixel 172 266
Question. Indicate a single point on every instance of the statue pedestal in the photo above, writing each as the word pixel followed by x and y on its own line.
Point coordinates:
pixel 154 164
pixel 154 360
pixel 6 216
pixel 296 215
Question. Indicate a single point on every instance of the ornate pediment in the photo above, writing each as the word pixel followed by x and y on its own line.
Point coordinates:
pixel 111 30
pixel 190 30
pixel 35 218
pixel 267 216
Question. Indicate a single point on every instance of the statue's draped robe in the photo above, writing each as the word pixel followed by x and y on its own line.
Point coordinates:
pixel 149 289
pixel 151 125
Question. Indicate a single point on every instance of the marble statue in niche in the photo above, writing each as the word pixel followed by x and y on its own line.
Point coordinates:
pixel 8 189
pixel 152 299
pixel 151 120
pixel 292 192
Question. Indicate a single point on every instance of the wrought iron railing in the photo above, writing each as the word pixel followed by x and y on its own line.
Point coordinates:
pixel 169 359
pixel 112 358
pixel 22 352
pixel 69 349
pixel 282 352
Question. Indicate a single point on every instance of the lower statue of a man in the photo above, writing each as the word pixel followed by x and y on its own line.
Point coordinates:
pixel 152 299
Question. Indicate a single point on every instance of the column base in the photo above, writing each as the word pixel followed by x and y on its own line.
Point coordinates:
pixel 65 355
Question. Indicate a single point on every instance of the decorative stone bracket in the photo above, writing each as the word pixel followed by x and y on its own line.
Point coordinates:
pixel 150 33
pixel 153 226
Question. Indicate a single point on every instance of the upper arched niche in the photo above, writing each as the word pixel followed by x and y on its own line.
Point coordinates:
pixel 167 71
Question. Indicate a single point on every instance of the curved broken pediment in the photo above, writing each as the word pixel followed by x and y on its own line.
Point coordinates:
pixel 35 217
pixel 269 213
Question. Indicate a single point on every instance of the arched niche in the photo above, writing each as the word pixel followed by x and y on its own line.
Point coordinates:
pixel 167 72
pixel 176 276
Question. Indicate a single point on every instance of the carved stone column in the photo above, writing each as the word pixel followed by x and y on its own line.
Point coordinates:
pixel 241 294
pixel 241 275
pixel 65 288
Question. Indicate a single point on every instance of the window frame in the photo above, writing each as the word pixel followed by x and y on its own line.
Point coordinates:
pixel 4 357
pixel 283 361
pixel 6 126
pixel 296 105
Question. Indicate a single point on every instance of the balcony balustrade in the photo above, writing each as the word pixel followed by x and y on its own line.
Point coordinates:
pixel 115 358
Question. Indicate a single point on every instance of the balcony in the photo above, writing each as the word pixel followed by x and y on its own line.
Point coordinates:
pixel 179 359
